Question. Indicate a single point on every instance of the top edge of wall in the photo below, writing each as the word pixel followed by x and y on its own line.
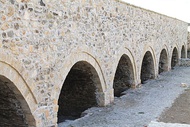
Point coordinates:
pixel 123 2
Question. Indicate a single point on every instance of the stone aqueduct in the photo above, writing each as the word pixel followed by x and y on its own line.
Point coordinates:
pixel 60 57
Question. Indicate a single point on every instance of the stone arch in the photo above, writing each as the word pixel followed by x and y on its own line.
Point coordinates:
pixel 68 64
pixel 163 61
pixel 124 74
pixel 77 59
pixel 13 63
pixel 147 67
pixel 79 91
pixel 16 89
pixel 175 58
pixel 183 54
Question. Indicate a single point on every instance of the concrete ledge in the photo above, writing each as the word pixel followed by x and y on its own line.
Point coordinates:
pixel 161 124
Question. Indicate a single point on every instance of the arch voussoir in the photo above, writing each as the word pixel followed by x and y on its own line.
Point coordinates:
pixel 18 86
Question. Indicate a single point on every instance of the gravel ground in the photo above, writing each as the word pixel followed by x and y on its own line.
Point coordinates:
pixel 179 112
pixel 139 106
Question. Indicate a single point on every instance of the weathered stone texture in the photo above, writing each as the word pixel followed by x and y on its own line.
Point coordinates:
pixel 46 37
pixel 188 39
pixel 188 45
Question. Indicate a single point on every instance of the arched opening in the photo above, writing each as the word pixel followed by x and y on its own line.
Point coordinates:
pixel 183 52
pixel 163 63
pixel 175 57
pixel 124 76
pixel 12 112
pixel 147 68
pixel 78 92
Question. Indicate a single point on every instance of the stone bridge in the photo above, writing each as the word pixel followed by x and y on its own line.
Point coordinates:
pixel 61 57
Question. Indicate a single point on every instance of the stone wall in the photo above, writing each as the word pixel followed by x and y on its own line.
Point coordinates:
pixel 188 45
pixel 188 41
pixel 46 38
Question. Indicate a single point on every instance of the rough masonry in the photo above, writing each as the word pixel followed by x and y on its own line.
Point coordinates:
pixel 53 49
pixel 188 45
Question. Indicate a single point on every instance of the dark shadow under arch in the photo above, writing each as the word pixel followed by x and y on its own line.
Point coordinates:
pixel 147 68
pixel 13 108
pixel 124 76
pixel 163 62
pixel 183 52
pixel 78 92
pixel 175 58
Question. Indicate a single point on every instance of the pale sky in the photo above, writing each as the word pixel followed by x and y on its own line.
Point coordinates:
pixel 179 9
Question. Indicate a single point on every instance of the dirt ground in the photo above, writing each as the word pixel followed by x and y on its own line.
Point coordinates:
pixel 180 110
pixel 138 107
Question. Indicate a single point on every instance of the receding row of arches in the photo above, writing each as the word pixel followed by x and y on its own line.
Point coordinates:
pixel 80 88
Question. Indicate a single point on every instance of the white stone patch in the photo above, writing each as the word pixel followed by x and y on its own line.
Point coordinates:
pixel 161 124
